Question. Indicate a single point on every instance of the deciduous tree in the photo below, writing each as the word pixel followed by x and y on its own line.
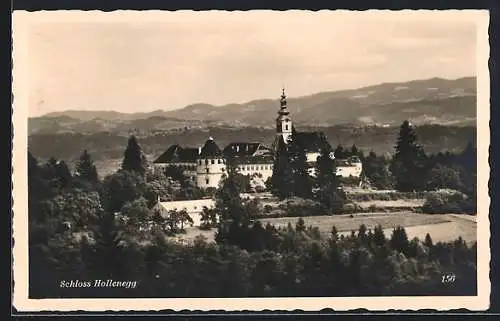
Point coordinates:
pixel 121 187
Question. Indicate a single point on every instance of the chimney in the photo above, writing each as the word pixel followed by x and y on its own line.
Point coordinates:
pixel 237 148
pixel 199 150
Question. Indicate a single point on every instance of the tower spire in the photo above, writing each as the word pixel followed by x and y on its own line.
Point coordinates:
pixel 283 121
pixel 283 106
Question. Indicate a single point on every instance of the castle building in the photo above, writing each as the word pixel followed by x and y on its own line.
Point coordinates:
pixel 207 164
pixel 211 165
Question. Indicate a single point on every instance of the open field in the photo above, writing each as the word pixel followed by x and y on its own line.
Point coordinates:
pixel 441 227
pixel 443 232
pixel 411 203
pixel 370 220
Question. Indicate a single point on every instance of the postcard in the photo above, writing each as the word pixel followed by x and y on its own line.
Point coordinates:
pixel 250 160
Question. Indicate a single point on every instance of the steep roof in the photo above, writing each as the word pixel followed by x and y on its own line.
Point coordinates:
pixel 189 154
pixel 168 155
pixel 210 149
pixel 311 141
pixel 249 152
pixel 241 149
pixel 176 153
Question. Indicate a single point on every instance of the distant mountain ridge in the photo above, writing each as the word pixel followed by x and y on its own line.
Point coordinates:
pixel 429 101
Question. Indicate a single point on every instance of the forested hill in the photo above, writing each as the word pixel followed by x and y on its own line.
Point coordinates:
pixel 429 101
pixel 105 146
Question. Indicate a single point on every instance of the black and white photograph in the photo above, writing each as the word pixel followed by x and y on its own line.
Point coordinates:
pixel 246 160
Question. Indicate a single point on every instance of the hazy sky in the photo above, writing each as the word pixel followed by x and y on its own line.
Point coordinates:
pixel 167 61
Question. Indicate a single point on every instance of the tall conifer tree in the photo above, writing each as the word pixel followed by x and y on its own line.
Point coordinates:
pixel 232 218
pixel 134 160
pixel 408 163
pixel 340 152
pixel 85 168
pixel 63 174
pixel 327 183
pixel 302 180
pixel 282 178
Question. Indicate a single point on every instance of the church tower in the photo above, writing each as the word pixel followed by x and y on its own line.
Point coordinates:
pixel 283 121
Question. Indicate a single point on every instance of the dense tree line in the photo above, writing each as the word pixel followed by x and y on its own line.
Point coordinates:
pixel 83 228
pixel 106 145
pixel 410 169
pixel 291 176
pixel 414 170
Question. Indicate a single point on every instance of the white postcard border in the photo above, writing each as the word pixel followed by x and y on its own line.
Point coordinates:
pixel 21 302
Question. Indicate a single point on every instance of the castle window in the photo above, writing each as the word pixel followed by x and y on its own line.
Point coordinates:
pixel 286 127
pixel 206 180
pixel 219 161
pixel 206 161
pixel 213 161
pixel 199 162
pixel 207 170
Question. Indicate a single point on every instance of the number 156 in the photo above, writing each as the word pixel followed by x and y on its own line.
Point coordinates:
pixel 448 278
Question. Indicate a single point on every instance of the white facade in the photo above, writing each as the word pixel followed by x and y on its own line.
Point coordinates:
pixel 209 172
pixel 285 129
pixel 264 170
pixel 206 165
pixel 194 208
pixel 312 157
pixel 284 126
pixel 353 170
